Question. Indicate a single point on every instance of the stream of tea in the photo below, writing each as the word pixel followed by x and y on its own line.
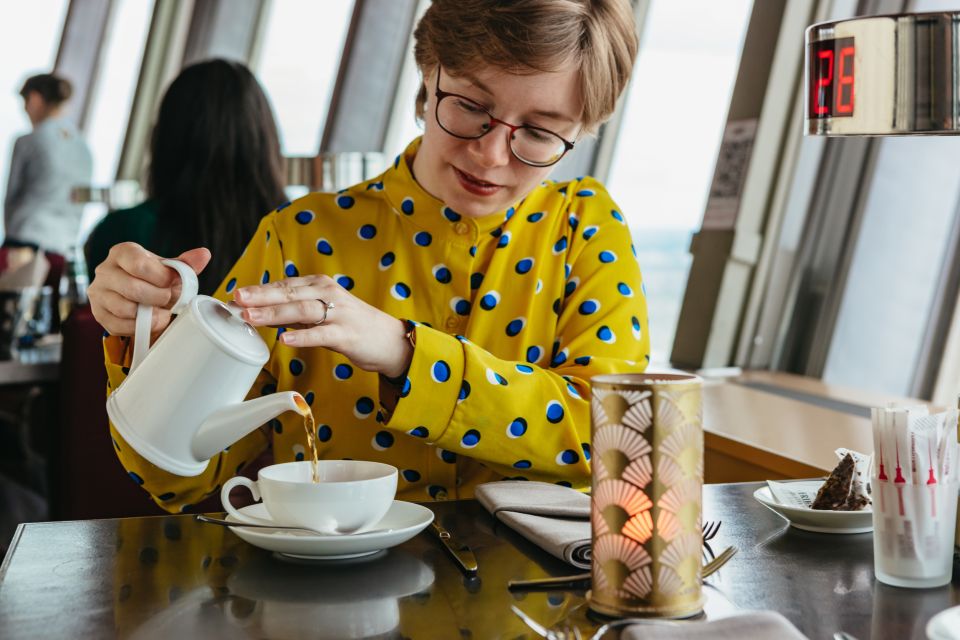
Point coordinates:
pixel 309 426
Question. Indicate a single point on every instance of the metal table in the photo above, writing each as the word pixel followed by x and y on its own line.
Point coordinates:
pixel 171 577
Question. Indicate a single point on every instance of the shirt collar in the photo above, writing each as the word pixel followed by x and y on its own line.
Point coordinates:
pixel 411 201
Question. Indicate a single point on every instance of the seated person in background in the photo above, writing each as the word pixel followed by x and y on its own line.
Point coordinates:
pixel 461 291
pixel 215 168
pixel 46 166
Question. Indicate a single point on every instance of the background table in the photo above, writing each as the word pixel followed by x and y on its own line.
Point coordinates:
pixel 172 577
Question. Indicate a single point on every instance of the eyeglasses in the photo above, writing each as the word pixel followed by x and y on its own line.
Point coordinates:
pixel 463 118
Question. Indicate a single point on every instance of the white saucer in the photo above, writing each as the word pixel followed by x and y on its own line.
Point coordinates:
pixel 945 625
pixel 402 521
pixel 816 519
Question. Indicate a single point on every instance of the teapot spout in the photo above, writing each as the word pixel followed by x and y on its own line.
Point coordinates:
pixel 230 424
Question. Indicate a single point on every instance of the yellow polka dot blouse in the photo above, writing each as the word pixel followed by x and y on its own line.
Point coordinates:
pixel 514 312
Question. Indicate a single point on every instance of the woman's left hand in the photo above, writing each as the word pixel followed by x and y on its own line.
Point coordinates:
pixel 318 312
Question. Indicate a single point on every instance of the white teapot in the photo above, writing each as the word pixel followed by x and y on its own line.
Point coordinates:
pixel 183 400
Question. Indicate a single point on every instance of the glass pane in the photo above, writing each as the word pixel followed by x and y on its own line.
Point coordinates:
pixel 298 67
pixel 116 81
pixel 29 38
pixel 895 270
pixel 661 173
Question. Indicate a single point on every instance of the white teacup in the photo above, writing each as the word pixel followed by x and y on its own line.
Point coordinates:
pixel 351 497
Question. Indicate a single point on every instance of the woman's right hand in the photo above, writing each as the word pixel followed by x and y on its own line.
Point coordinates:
pixel 131 275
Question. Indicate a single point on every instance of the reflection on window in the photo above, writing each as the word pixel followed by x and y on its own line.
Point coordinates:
pixel 298 67
pixel 28 45
pixel 404 126
pixel 667 147
pixel 116 81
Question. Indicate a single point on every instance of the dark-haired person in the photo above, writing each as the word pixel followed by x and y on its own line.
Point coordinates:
pixel 46 165
pixel 215 168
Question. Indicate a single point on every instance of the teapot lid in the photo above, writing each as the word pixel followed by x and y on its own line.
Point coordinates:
pixel 229 331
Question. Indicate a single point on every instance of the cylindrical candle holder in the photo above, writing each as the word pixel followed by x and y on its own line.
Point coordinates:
pixel 647 457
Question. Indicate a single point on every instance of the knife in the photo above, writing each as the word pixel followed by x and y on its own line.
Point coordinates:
pixel 461 553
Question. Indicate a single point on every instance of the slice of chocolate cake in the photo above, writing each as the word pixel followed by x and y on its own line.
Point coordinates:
pixel 843 490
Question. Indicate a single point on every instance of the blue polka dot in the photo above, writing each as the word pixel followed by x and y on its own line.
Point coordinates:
pixel 231 285
pixel 470 439
pixel 400 291
pixel 586 450
pixel 496 232
pixel 281 331
pixel 135 477
pixel 268 388
pixel 447 456
pixel 407 206
pixel 554 412
pixel 635 322
pixel 304 217
pixel 509 213
pixel 276 425
pixel 410 475
pixel 559 359
pixel 464 391
pixel 342 371
pixel 423 238
pixel 517 428
pixel 566 270
pixel 396 161
pixel 309 398
pixel 345 202
pixel 504 240
pixel 524 266
pixel 556 306
pixel 495 378
pixel 473 251
pixel 582 360
pixel 367 231
pixel 167 497
pixel 522 464
pixel 299 456
pixel 442 274
pixel 450 214
pixel 605 334
pixel 589 232
pixel 323 247
pixel 376 186
pixel 515 327
pixel 568 456
pixel 284 205
pixel 560 246
pixel 461 306
pixel 617 216
pixel 572 391
pixel 535 217
pixel 383 440
pixel 419 432
pixel 290 270
pixel 534 354
pixel 476 279
pixel 387 259
pixel 624 290
pixel 574 221
pixel 563 483
pixel 265 278
pixel 441 371
pixel 585 193
pixel 489 301
pixel 344 281
pixel 525 369
pixel 436 491
pixel 324 433
pixel 296 366
pixel 268 237
pixel 571 286
pixel 607 257
pixel 405 388
pixel 588 307
pixel 363 408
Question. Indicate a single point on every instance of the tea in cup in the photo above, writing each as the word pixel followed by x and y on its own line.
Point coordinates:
pixel 350 497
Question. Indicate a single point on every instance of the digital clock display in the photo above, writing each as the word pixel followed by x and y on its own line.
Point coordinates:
pixel 831 68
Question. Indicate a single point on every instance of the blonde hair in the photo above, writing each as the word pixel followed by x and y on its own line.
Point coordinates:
pixel 529 36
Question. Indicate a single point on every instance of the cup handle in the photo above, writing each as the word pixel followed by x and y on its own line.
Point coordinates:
pixel 188 291
pixel 241 481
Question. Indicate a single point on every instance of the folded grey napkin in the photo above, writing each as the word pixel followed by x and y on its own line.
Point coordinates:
pixel 555 518
pixel 756 625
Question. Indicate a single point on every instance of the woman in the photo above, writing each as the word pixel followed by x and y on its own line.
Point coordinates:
pixel 462 292
pixel 215 168
pixel 46 166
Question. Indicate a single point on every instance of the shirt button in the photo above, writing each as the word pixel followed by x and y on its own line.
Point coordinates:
pixel 462 228
pixel 452 323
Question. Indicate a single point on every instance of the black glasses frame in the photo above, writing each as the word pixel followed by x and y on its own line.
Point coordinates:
pixel 440 94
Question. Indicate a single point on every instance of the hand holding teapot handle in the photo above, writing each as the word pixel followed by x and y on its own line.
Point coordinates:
pixel 131 276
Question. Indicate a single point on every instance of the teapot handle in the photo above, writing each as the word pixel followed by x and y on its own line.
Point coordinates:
pixel 188 291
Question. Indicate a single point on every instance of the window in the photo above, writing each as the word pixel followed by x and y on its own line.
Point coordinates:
pixel 298 67
pixel 666 149
pixel 28 45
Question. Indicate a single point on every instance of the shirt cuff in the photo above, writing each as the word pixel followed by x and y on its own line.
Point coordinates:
pixel 429 393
